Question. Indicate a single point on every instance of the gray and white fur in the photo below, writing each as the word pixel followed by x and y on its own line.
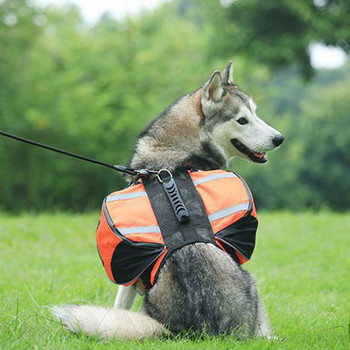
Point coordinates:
pixel 200 288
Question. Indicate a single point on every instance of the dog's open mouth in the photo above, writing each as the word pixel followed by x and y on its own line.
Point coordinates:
pixel 254 156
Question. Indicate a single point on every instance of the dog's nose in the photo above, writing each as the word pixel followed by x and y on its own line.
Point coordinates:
pixel 277 140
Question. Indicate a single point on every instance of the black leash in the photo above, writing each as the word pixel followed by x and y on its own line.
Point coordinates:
pixel 164 176
pixel 120 168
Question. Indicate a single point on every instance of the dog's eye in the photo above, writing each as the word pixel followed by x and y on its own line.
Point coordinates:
pixel 242 121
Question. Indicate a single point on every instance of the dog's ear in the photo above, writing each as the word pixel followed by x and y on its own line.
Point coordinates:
pixel 212 89
pixel 227 74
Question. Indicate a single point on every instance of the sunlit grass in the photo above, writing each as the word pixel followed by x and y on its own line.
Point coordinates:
pixel 301 263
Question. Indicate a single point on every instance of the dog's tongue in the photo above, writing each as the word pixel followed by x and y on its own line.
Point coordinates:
pixel 260 155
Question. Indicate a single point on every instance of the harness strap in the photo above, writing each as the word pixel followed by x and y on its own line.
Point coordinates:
pixel 177 234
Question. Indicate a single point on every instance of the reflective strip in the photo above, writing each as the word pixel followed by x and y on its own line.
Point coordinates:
pixel 138 229
pixel 213 177
pixel 228 211
pixel 122 196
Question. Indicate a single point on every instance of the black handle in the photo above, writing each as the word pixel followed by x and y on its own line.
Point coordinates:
pixel 176 201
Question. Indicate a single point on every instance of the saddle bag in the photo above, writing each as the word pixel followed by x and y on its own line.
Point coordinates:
pixel 143 224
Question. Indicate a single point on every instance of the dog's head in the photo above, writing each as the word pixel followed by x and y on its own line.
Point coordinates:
pixel 231 122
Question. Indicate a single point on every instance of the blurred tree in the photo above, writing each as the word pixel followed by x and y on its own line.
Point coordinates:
pixel 326 140
pixel 278 33
pixel 87 89
pixel 92 89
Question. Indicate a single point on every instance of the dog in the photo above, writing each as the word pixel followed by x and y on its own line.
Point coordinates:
pixel 200 288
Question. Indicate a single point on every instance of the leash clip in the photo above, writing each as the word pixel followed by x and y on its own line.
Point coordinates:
pixel 143 173
pixel 140 173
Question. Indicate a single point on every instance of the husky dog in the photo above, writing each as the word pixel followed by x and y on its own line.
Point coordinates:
pixel 200 288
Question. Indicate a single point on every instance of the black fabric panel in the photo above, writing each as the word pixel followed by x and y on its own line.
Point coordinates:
pixel 240 235
pixel 130 260
pixel 177 234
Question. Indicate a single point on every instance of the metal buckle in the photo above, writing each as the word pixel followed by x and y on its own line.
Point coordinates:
pixel 163 171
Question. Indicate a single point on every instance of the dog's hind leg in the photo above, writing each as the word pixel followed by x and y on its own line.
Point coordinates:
pixel 125 297
pixel 263 329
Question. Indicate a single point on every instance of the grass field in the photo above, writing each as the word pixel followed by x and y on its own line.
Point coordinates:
pixel 301 262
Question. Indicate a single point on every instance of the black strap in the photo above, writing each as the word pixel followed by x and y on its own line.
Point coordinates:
pixel 177 234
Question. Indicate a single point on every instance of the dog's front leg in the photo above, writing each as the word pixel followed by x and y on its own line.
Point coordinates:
pixel 125 297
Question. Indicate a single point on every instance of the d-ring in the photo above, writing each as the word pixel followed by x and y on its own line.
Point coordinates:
pixel 163 171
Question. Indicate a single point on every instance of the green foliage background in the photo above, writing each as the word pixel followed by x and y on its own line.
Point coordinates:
pixel 92 88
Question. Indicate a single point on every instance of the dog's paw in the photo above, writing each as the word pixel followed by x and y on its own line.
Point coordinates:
pixel 274 339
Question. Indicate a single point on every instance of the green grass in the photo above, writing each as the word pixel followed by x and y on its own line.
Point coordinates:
pixel 301 262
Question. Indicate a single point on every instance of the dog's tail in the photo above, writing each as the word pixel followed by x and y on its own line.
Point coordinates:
pixel 108 323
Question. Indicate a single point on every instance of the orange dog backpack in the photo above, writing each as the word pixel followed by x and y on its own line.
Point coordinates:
pixel 143 224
